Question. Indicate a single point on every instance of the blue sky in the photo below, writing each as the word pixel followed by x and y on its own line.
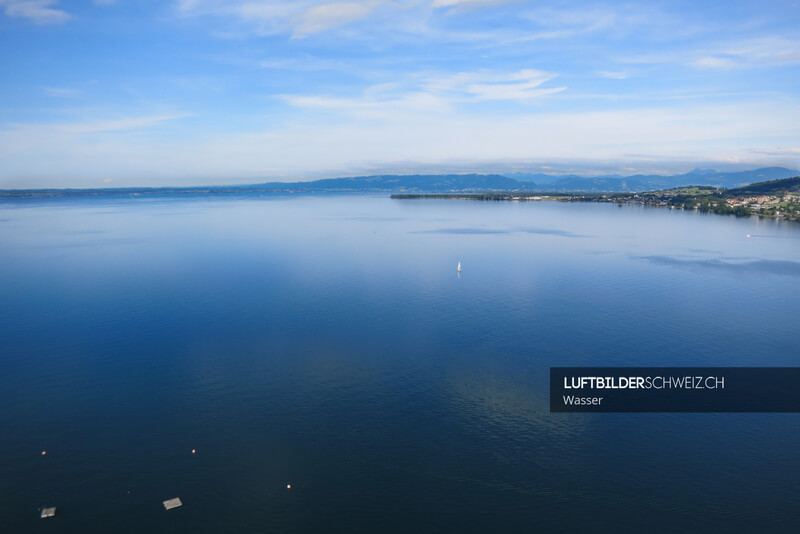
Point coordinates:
pixel 140 92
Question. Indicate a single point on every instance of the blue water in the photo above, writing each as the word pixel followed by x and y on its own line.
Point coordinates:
pixel 327 342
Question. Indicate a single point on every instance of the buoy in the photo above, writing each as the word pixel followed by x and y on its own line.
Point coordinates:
pixel 748 235
pixel 288 486
pixel 44 452
pixel 193 451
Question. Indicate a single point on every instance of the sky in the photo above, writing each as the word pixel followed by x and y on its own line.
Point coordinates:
pixel 99 93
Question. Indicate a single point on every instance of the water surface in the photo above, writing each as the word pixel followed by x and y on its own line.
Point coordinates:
pixel 327 342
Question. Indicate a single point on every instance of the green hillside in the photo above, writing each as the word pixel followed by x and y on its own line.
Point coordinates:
pixel 786 185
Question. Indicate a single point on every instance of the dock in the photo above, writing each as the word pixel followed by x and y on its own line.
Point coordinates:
pixel 169 504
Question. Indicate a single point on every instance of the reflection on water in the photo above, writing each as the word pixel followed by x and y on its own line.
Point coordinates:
pixel 490 231
pixel 324 342
pixel 733 265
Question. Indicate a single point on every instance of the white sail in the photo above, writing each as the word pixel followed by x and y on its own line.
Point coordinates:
pixel 459 266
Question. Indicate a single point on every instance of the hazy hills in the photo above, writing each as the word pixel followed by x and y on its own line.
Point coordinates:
pixel 448 183
pixel 640 182
pixel 494 182
pixel 788 185
pixel 437 183
pixel 392 183
pixel 421 183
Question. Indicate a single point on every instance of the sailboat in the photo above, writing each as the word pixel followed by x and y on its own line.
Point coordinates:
pixel 459 266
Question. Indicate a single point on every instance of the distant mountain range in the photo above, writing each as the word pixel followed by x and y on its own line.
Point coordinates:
pixel 421 183
pixel 435 183
pixel 449 183
pixel 400 183
pixel 641 182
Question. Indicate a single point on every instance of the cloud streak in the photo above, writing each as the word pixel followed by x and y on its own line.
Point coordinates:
pixel 96 126
pixel 761 52
pixel 37 11
pixel 440 93
pixel 300 18
pixel 61 92
pixel 322 17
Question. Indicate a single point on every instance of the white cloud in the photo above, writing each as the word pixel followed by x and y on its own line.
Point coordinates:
pixel 714 62
pixel 765 50
pixel 307 63
pixel 451 3
pixel 435 93
pixel 375 106
pixel 583 18
pixel 90 127
pixel 77 149
pixel 614 75
pixel 61 92
pixel 265 17
pixel 747 53
pixel 393 21
pixel 325 16
pixel 487 85
pixel 576 19
pixel 38 11
pixel 112 125
pixel 301 18
pixel 782 152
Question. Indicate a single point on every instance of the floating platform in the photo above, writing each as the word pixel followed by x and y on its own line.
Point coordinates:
pixel 48 512
pixel 169 504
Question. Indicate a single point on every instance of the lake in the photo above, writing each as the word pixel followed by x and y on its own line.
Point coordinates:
pixel 327 342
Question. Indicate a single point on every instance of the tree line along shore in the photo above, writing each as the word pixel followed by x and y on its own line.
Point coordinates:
pixel 775 199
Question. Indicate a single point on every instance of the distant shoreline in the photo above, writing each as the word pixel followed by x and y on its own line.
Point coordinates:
pixel 778 199
pixel 781 204
pixel 542 184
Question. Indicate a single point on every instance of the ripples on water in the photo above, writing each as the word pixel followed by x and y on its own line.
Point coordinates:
pixel 327 342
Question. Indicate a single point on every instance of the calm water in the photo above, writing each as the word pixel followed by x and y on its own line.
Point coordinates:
pixel 327 343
